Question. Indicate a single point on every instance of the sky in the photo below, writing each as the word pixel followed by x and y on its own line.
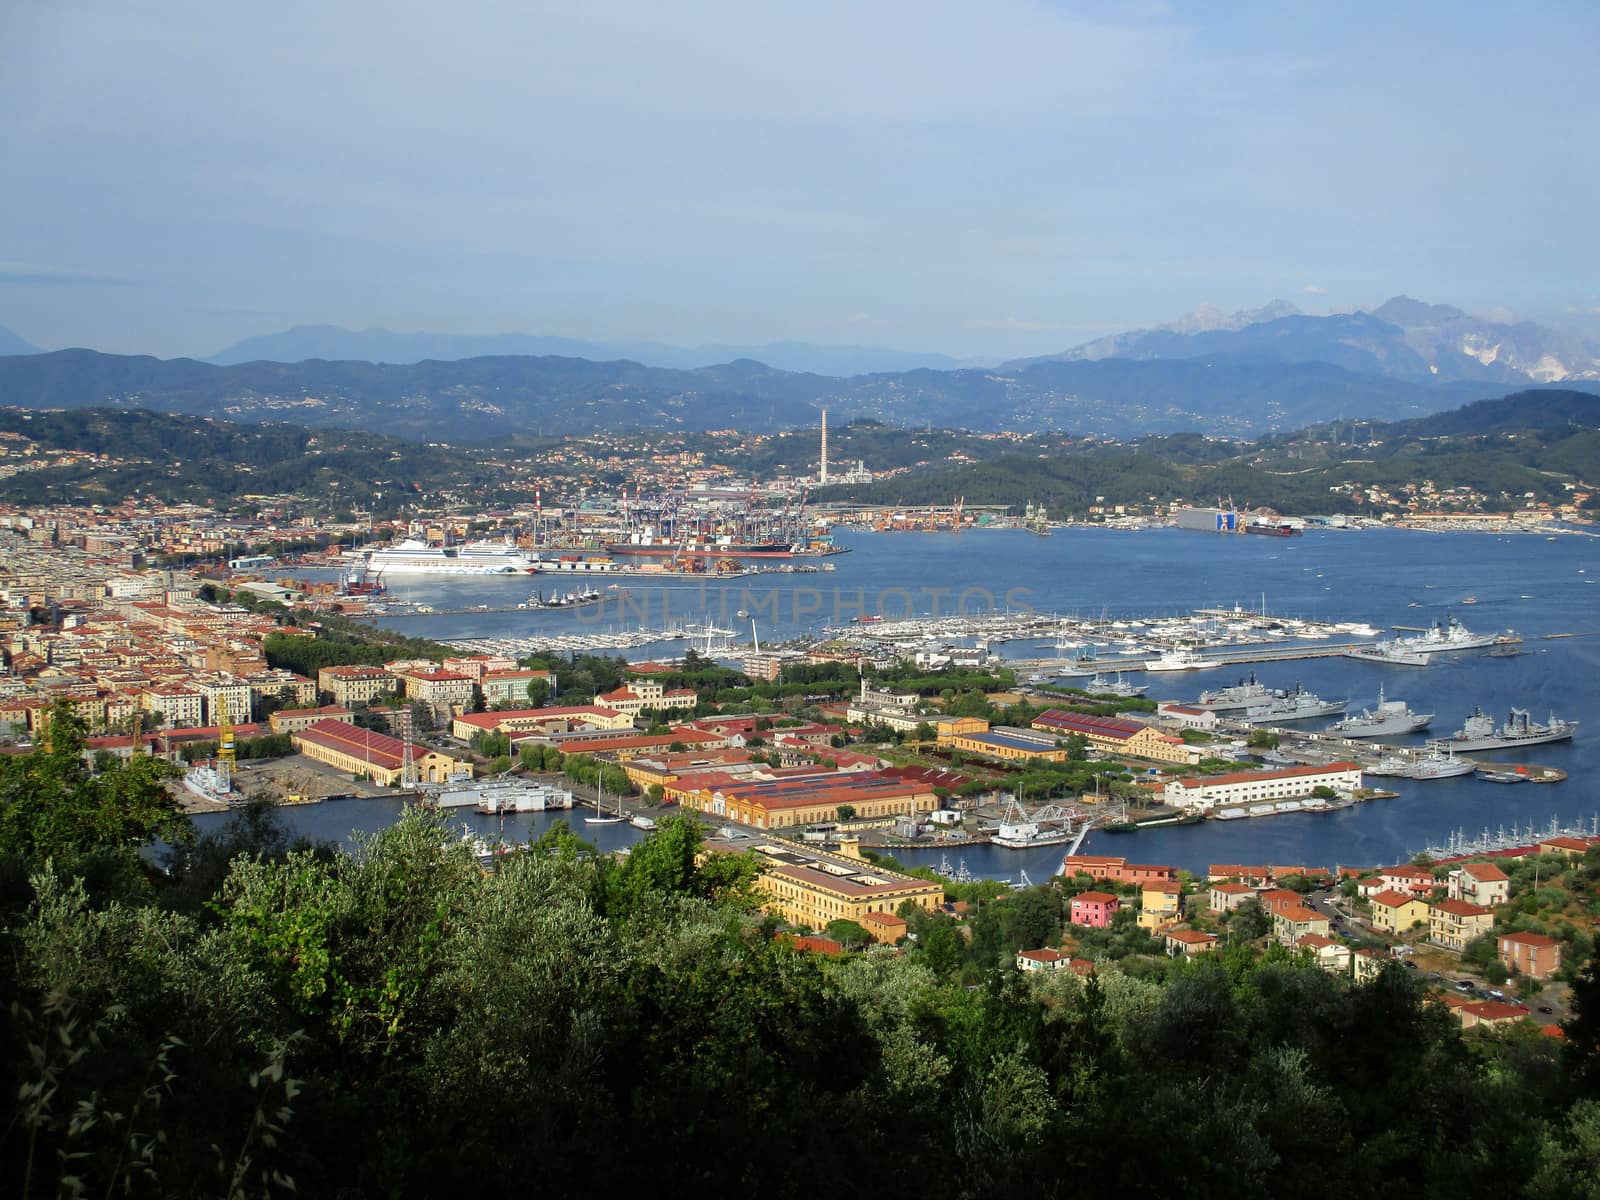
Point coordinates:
pixel 979 179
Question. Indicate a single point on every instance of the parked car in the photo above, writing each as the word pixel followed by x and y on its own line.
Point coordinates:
pixel 1463 986
pixel 1546 1010
pixel 1496 994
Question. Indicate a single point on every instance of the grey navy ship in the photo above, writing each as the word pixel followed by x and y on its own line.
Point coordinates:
pixel 1478 731
pixel 1391 718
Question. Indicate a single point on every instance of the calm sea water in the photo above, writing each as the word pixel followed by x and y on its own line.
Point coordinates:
pixel 1536 586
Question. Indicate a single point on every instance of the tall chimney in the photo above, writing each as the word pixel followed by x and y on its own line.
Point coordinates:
pixel 822 475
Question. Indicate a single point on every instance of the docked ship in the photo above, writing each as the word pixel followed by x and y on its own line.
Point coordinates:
pixel 1178 660
pixel 1272 526
pixel 1436 764
pixel 1391 718
pixel 646 544
pixel 1478 731
pixel 1298 705
pixel 1391 654
pixel 1450 634
pixel 1247 693
pixel 413 557
pixel 497 796
pixel 1101 686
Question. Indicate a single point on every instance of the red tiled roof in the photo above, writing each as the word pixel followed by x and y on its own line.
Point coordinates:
pixel 1460 908
pixel 1537 940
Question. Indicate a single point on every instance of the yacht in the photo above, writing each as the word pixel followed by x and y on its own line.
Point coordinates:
pixel 1178 660
pixel 1391 718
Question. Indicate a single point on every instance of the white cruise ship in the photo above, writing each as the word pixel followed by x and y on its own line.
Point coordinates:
pixel 412 557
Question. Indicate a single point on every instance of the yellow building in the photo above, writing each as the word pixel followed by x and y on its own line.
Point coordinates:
pixel 948 727
pixel 1454 923
pixel 874 796
pixel 810 887
pixel 1113 735
pixel 1160 904
pixel 1006 744
pixel 1395 912
pixel 375 756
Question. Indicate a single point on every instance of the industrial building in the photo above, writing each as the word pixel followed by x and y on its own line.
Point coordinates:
pixel 377 756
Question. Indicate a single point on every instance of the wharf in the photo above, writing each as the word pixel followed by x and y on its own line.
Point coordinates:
pixel 1231 656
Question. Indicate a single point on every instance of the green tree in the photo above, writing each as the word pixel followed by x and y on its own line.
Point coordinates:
pixel 52 807
pixel 846 813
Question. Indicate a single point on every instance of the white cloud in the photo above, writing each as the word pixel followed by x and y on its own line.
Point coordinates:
pixel 1313 289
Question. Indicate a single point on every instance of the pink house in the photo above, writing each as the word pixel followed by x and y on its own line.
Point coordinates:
pixel 1093 909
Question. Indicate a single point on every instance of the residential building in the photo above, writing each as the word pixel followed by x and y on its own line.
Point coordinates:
pixel 1330 954
pixel 1293 922
pixel 1530 954
pixel 1186 943
pixel 1160 904
pixel 350 686
pixel 511 687
pixel 1418 881
pixel 1042 960
pixel 634 697
pixel 1093 909
pixel 1117 868
pixel 1480 883
pixel 1225 897
pixel 1571 846
pixel 444 692
pixel 1397 912
pixel 1454 923
pixel 176 705
pixel 1492 1014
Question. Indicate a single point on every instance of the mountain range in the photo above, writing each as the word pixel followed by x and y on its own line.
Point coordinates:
pixel 385 346
pixel 489 398
pixel 1400 339
pixel 1245 375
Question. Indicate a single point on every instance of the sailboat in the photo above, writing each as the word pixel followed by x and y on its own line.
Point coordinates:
pixel 600 817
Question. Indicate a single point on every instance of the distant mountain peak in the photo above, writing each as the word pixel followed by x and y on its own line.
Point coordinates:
pixel 1209 318
pixel 11 343
pixel 1416 314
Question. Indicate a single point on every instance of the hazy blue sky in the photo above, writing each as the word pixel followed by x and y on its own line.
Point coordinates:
pixel 979 178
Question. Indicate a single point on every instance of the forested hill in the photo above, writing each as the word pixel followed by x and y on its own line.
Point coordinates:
pixel 208 461
pixel 485 398
pixel 1543 411
pixel 1543 441
pixel 264 1019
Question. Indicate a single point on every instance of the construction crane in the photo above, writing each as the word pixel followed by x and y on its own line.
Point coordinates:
pixel 226 755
